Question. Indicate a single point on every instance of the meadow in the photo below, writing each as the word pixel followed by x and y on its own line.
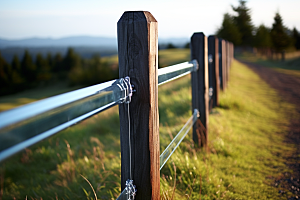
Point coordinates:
pixel 246 146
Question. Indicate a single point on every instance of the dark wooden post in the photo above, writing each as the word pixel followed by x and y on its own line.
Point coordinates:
pixel 200 96
pixel 227 59
pixel 232 51
pixel 221 65
pixel 224 67
pixel 138 53
pixel 213 52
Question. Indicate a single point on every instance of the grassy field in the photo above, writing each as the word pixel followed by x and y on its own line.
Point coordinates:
pixel 290 66
pixel 246 148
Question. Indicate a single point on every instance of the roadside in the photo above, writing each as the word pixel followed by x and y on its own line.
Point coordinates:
pixel 288 87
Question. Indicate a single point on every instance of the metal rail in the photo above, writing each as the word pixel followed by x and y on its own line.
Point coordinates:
pixel 166 154
pixel 173 72
pixel 24 126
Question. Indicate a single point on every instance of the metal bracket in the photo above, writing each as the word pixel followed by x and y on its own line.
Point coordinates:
pixel 211 92
pixel 210 58
pixel 130 189
pixel 196 113
pixel 196 65
pixel 126 86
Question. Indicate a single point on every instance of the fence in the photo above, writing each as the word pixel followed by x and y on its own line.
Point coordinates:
pixel 136 93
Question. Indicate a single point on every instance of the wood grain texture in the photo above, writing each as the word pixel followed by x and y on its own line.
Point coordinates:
pixel 138 54
pixel 214 83
pixel 200 87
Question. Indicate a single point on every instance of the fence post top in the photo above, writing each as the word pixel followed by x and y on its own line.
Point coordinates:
pixel 130 16
pixel 213 36
pixel 198 34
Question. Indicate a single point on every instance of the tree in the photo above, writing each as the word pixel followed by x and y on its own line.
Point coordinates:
pixel 279 36
pixel 42 67
pixel 17 79
pixel 263 37
pixel 71 60
pixel 5 71
pixel 243 22
pixel 187 45
pixel 296 38
pixel 28 68
pixel 229 30
pixel 171 46
pixel 57 63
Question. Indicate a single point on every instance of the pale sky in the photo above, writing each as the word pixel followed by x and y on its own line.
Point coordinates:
pixel 176 18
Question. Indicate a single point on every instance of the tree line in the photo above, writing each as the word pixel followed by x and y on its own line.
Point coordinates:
pixel 27 72
pixel 240 30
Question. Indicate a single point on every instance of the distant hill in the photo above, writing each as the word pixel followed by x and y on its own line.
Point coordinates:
pixel 61 42
pixel 86 46
pixel 76 41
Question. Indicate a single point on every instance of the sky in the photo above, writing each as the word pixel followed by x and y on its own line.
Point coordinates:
pixel 21 19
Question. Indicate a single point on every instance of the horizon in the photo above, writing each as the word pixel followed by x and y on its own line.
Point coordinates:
pixel 94 36
pixel 58 19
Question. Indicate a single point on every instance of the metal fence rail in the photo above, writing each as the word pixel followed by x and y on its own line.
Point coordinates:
pixel 166 154
pixel 173 72
pixel 29 124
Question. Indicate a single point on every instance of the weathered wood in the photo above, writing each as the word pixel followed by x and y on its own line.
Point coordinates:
pixel 138 53
pixel 213 45
pixel 222 49
pixel 200 96
pixel 221 71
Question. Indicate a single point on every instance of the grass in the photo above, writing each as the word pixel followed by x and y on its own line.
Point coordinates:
pixel 247 151
pixel 290 66
pixel 246 148
pixel 173 56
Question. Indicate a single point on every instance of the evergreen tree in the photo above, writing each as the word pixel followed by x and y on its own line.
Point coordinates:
pixel 71 60
pixel 42 68
pixel 279 36
pixel 40 62
pixel 4 74
pixel 15 64
pixel 296 38
pixel 57 63
pixel 263 37
pixel 229 30
pixel 28 68
pixel 17 79
pixel 243 22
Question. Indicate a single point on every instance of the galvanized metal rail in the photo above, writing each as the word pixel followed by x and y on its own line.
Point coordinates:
pixel 24 126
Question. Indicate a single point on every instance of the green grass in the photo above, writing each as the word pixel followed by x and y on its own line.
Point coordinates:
pixel 246 148
pixel 173 56
pixel 290 66
pixel 247 151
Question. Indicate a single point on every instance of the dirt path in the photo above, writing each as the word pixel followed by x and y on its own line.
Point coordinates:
pixel 289 89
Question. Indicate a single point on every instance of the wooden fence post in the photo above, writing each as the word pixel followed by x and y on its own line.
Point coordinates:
pixel 138 59
pixel 221 65
pixel 224 67
pixel 227 59
pixel 214 68
pixel 200 96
